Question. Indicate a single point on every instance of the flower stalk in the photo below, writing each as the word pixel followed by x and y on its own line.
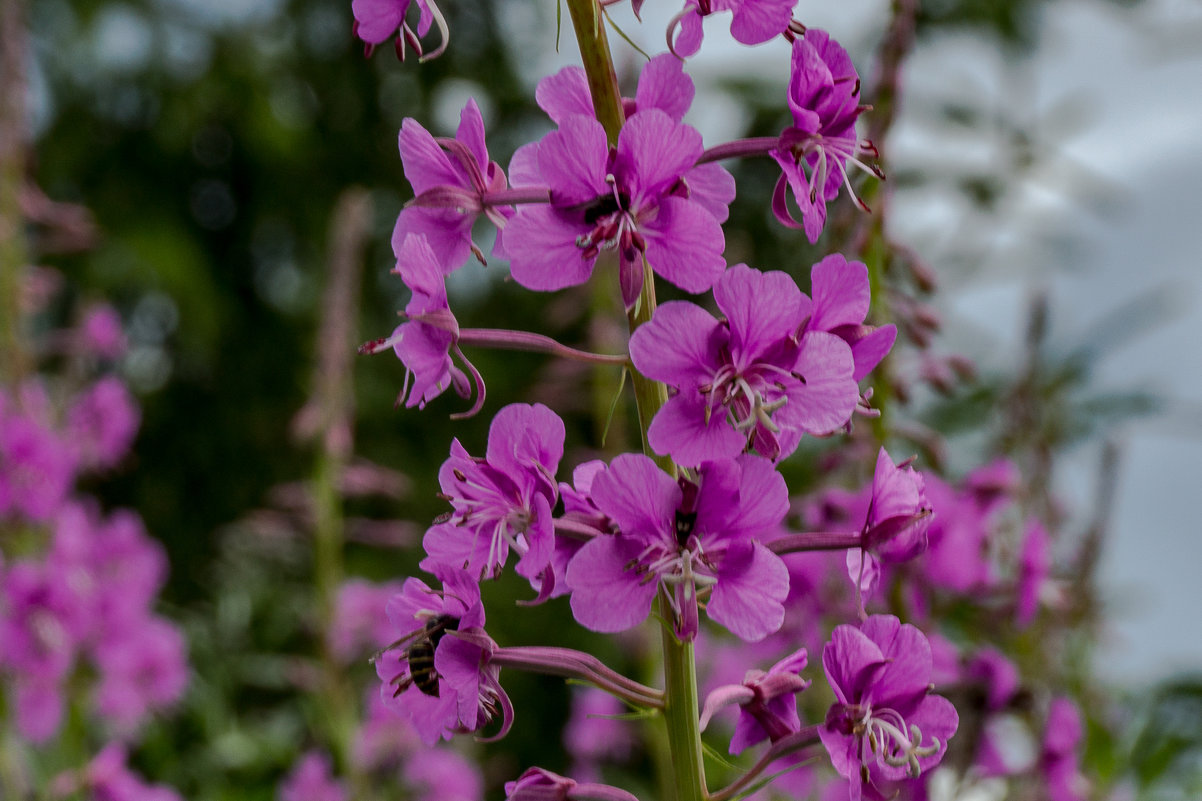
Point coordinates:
pixel 786 745
pixel 680 705
pixel 572 664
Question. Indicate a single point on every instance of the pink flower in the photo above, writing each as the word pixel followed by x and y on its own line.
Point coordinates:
pixel 885 724
pixel 684 538
pixel 440 774
pixel 102 423
pixel 37 467
pixel 141 669
pixel 633 199
pixel 359 623
pixel 752 22
pixel 450 179
pixel 754 379
pixel 441 678
pixel 503 500
pixel 824 96
pixel 377 21
pixel 312 779
pixel 107 778
pixel 424 342
pixel 767 702
pixel 101 333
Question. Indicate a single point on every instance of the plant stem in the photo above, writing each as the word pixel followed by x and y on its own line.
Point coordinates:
pixel 680 712
pixel 13 255
pixel 598 66
pixel 687 771
pixel 327 419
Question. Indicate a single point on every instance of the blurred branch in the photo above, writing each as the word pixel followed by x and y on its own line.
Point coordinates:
pixel 13 257
pixel 328 419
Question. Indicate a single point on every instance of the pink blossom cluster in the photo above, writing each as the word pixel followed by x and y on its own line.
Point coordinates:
pixel 78 585
pixel 700 521
pixel 383 744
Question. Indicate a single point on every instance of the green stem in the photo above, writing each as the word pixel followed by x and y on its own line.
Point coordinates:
pixel 598 65
pixel 13 255
pixel 687 771
pixel 680 712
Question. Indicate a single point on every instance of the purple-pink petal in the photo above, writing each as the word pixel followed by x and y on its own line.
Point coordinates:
pixel 541 244
pixel 763 308
pixel 684 244
pixel 682 429
pixel 748 598
pixel 606 596
pixel 563 94
pixel 680 346
pixel 664 85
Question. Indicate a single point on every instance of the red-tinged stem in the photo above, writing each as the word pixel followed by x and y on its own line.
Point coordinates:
pixel 575 530
pixel 504 339
pixel 786 745
pixel 572 664
pixel 816 541
pixel 740 148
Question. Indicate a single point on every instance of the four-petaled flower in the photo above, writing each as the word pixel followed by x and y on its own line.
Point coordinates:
pixel 634 198
pixel 438 673
pixel 503 500
pixel 885 724
pixel 824 96
pixel 684 537
pixel 754 379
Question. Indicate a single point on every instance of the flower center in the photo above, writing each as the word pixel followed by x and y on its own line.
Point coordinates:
pixel 890 741
pixel 613 224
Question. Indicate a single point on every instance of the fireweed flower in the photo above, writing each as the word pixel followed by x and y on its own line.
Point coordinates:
pixel 139 670
pixel 824 96
pixel 108 777
pixel 502 501
pixel 958 539
pixel 633 198
pixel 37 467
pixel 538 784
pixel 38 645
pixel 312 779
pixel 441 774
pixel 752 22
pixel 895 526
pixel 841 299
pixel 1033 569
pixel 682 538
pixel 767 702
pixel 1058 754
pixel 453 181
pixel 424 342
pixel 359 623
pixel 377 21
pixel 438 673
pixel 885 725
pixel 662 85
pixel 102 423
pixel 752 380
